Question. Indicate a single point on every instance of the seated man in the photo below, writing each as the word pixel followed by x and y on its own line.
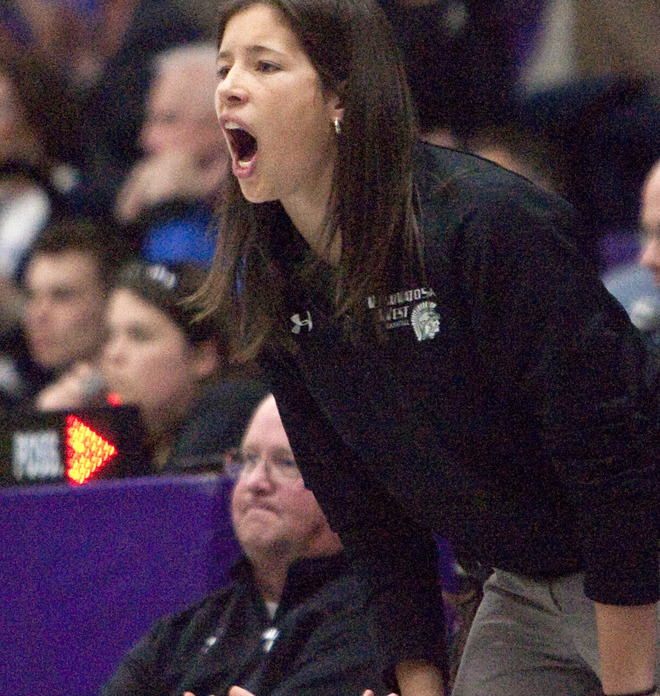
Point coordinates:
pixel 290 620
pixel 637 285
pixel 67 275
pixel 650 256
pixel 650 222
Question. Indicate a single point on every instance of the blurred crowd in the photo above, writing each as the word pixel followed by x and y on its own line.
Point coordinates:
pixel 111 163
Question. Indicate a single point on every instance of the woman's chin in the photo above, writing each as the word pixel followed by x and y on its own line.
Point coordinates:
pixel 255 194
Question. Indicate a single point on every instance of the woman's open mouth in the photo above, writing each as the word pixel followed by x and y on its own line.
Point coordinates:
pixel 243 147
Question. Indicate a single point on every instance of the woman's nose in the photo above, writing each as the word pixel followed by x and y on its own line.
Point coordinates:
pixel 230 90
pixel 112 351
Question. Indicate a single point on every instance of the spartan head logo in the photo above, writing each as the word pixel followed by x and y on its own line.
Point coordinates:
pixel 425 320
pixel 298 323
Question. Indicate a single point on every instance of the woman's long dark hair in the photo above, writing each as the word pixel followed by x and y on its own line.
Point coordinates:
pixel 351 45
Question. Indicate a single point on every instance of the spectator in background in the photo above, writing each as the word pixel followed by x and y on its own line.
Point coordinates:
pixel 618 38
pixel 46 118
pixel 650 222
pixel 600 114
pixel 132 32
pixel 169 193
pixel 637 284
pixel 602 136
pixel 194 407
pixel 67 277
pixel 645 311
pixel 101 50
pixel 462 60
pixel 289 621
pixel 36 127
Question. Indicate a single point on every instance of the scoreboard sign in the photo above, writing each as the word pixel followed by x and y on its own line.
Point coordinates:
pixel 35 455
pixel 73 446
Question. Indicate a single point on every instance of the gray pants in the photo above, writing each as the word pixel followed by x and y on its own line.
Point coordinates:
pixel 531 638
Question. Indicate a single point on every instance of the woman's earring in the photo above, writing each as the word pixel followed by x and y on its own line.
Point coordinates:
pixel 337 123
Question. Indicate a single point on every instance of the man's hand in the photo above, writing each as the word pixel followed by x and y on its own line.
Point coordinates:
pixel 234 691
pixel 175 175
pixel 238 691
pixel 78 387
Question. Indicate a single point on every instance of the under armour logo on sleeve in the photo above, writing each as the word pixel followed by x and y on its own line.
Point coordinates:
pixel 298 323
pixel 268 638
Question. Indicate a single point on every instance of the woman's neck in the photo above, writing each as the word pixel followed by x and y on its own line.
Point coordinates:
pixel 308 212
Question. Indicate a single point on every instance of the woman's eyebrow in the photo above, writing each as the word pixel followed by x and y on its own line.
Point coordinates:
pixel 250 50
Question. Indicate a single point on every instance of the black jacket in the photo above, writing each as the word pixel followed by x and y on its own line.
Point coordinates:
pixel 506 409
pixel 316 644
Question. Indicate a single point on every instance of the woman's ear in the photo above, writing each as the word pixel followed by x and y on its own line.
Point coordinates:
pixel 336 104
pixel 338 115
pixel 205 359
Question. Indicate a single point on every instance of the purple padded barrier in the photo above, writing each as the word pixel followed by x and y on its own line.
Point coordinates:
pixel 84 572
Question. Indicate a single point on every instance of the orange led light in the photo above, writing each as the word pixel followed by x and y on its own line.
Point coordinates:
pixel 86 450
pixel 114 399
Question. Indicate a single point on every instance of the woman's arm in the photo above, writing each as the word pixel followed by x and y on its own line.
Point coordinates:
pixel 418 678
pixel 627 639
pixel 396 557
pixel 583 368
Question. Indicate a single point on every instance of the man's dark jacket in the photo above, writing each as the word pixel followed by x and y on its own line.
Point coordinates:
pixel 315 645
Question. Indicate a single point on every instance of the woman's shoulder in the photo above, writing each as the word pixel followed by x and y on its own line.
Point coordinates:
pixel 464 176
pixel 458 190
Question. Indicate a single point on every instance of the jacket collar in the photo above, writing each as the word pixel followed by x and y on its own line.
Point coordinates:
pixel 304 578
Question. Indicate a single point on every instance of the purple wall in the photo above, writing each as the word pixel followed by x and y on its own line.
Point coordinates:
pixel 84 572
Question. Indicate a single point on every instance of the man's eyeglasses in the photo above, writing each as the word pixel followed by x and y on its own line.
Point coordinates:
pixel 238 463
